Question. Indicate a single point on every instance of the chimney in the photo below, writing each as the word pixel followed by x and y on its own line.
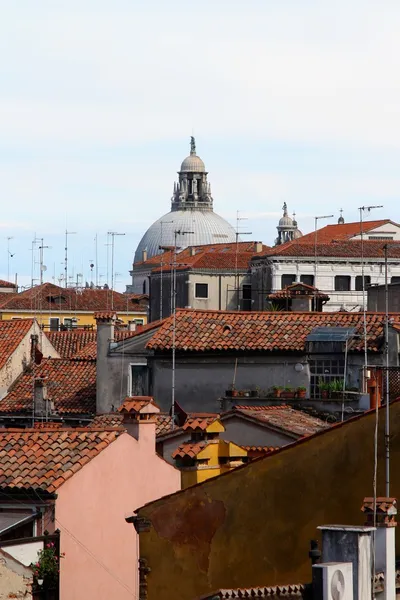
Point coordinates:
pixel 139 420
pixel 385 559
pixel 258 247
pixel 40 397
pixel 350 544
pixel 138 326
pixel 104 382
pixel 144 255
pixel 192 251
pixel 131 326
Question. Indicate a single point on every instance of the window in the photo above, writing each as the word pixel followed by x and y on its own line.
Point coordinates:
pixel 307 279
pixel 380 237
pixel 138 321
pixel 395 279
pixel 359 285
pixel 287 280
pixel 325 371
pixel 54 323
pixel 246 297
pixel 201 290
pixel 342 283
pixel 138 380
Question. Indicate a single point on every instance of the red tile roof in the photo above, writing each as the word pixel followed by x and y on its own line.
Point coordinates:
pixel 52 298
pixel 136 404
pixel 163 423
pixel 69 343
pixel 340 248
pixel 256 451
pixel 275 592
pixel 209 257
pixel 283 417
pixel 189 449
pixel 210 331
pixel 7 284
pixel 346 231
pixel 71 384
pixel 194 423
pixel 107 421
pixel 11 335
pixel 45 459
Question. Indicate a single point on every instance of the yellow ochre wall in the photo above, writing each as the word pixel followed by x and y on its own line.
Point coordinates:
pixel 83 318
pixel 252 526
pixel 212 452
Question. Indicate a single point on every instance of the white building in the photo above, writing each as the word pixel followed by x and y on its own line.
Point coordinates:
pixel 333 259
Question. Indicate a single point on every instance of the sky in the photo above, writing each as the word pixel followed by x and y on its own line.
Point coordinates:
pixel 289 101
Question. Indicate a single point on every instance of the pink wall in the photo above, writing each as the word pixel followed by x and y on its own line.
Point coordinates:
pixel 101 548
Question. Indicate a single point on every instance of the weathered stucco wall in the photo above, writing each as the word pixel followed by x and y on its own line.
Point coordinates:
pixel 15 578
pixel 252 526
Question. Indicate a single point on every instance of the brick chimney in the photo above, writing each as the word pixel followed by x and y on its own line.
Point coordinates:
pixel 139 420
pixel 131 326
pixel 385 557
pixel 105 335
pixel 258 246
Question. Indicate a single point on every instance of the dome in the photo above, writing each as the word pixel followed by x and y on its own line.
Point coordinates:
pixel 207 227
pixel 193 164
pixel 297 234
pixel 285 221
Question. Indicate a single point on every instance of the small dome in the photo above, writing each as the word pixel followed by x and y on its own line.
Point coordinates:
pixel 297 234
pixel 193 164
pixel 285 221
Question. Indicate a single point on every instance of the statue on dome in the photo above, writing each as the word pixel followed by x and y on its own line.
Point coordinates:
pixel 192 145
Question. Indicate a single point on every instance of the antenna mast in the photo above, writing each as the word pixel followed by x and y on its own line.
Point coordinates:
pixel 237 284
pixel 67 233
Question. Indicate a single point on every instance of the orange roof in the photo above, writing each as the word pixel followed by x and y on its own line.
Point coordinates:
pixel 342 232
pixel 71 384
pixel 297 289
pixel 202 423
pixel 337 248
pixel 189 449
pixel 282 417
pixel 11 335
pixel 53 298
pixel 69 343
pixel 211 256
pixel 45 459
pixel 136 404
pixel 7 284
pixel 212 331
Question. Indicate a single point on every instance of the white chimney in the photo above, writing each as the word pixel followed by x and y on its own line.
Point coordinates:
pixel 144 255
pixel 342 543
pixel 385 555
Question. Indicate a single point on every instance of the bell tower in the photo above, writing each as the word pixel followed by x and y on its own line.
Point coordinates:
pixel 192 191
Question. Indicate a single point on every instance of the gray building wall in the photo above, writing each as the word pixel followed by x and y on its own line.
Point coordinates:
pixel 377 298
pixel 244 433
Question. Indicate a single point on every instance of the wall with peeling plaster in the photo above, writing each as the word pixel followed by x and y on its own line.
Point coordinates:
pixel 252 526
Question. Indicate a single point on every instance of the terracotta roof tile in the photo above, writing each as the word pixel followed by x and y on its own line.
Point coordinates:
pixel 337 248
pixel 11 335
pixel 275 592
pixel 50 297
pixel 107 420
pixel 135 404
pixel 342 232
pixel 163 423
pixel 50 458
pixel 297 289
pixel 284 418
pixel 209 331
pixel 189 449
pixel 192 422
pixel 7 284
pixel 71 384
pixel 69 343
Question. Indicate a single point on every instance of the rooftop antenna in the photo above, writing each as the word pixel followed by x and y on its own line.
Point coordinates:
pixel 176 233
pixel 161 273
pixel 362 209
pixel 387 399
pixel 237 233
pixel 96 262
pixel 113 234
pixel 35 241
pixel 9 255
pixel 91 265
pixel 67 233
pixel 316 219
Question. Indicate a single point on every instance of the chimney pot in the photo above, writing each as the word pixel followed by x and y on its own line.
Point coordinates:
pixel 258 247
pixel 144 255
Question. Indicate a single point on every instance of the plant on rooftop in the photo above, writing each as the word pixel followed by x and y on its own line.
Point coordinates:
pixel 301 392
pixel 287 392
pixel 277 390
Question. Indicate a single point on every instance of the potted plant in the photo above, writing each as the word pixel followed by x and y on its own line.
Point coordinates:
pixel 231 392
pixel 301 392
pixel 256 392
pixel 47 567
pixel 336 388
pixel 287 392
pixel 277 391
pixel 324 388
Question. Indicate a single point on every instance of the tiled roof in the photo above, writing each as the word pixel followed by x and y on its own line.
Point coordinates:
pixel 283 417
pixel 106 421
pixel 260 450
pixel 340 248
pixel 198 422
pixel 7 284
pixel 163 423
pixel 205 331
pixel 71 384
pixel 136 404
pixel 50 297
pixel 342 232
pixel 45 459
pixel 216 256
pixel 69 343
pixel 11 335
pixel 189 449
pixel 275 592
pixel 297 289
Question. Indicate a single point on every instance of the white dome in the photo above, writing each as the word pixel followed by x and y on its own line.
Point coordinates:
pixel 285 221
pixel 193 164
pixel 207 227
